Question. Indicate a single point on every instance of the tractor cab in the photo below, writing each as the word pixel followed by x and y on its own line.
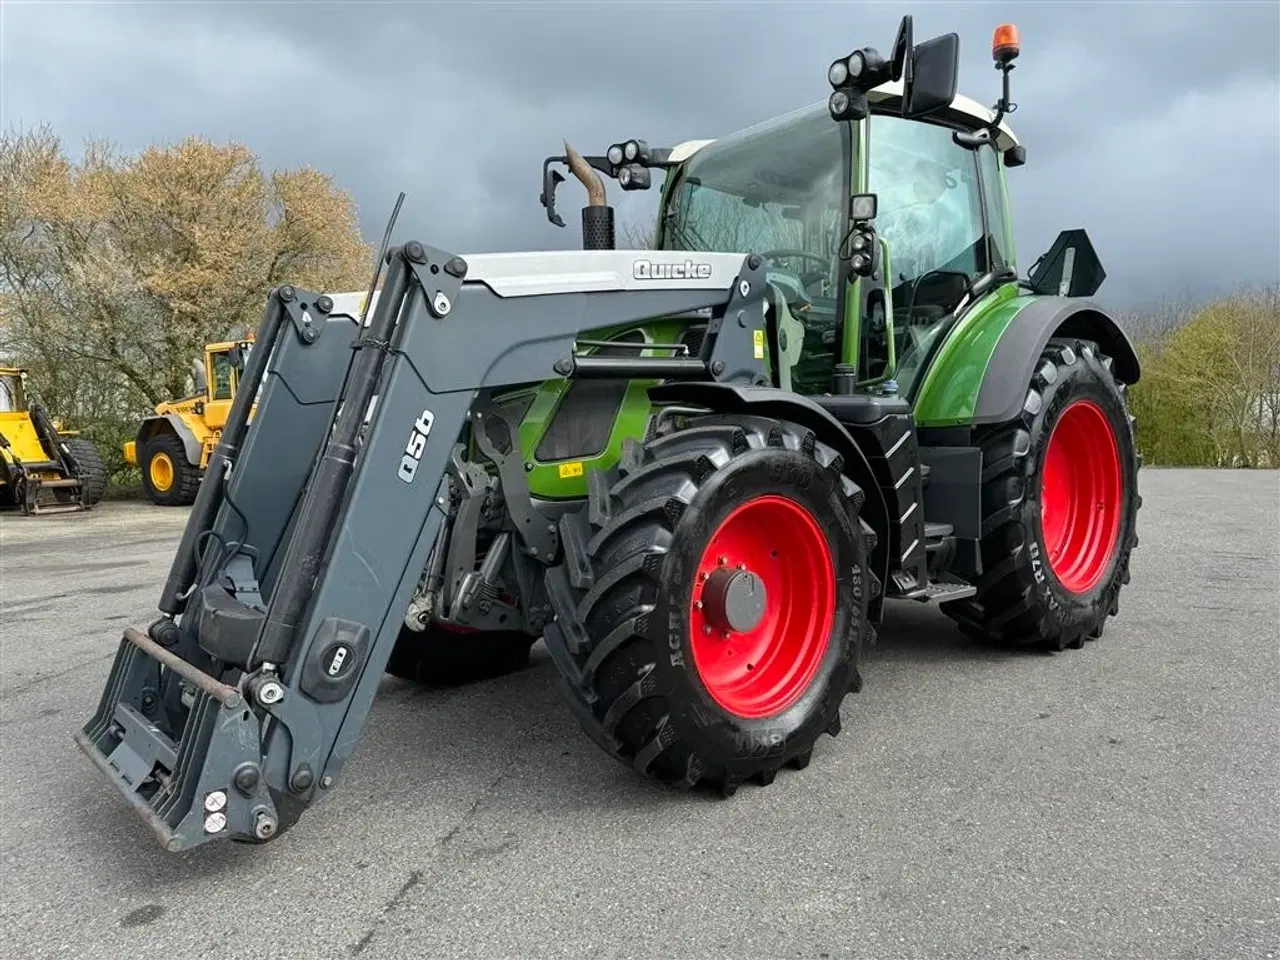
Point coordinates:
pixel 782 189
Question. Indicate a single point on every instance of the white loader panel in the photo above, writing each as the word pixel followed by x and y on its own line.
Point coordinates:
pixel 596 271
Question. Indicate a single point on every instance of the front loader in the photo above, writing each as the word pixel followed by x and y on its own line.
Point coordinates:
pixel 697 472
pixel 44 468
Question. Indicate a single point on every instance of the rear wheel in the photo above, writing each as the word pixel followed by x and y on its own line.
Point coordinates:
pixel 168 477
pixel 711 608
pixel 89 466
pixel 1060 504
pixel 436 657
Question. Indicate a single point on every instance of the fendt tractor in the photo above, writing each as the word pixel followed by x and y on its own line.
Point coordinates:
pixel 44 467
pixel 173 445
pixel 697 472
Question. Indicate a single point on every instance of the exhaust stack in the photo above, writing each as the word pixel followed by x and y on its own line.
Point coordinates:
pixel 597 215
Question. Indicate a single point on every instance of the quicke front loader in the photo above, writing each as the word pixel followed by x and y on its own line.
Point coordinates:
pixel 697 475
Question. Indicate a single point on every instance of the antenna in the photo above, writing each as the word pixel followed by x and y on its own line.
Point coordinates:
pixel 382 256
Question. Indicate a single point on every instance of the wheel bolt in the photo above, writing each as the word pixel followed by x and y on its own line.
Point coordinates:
pixel 722 561
pixel 697 605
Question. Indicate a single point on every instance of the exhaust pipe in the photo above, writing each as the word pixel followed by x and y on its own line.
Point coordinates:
pixel 597 215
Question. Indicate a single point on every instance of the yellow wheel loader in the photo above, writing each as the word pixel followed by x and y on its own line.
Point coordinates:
pixel 38 456
pixel 173 446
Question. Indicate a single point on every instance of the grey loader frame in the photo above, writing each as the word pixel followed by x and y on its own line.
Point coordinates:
pixel 240 706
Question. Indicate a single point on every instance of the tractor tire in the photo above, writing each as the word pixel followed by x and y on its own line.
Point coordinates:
pixel 436 657
pixel 168 477
pixel 92 473
pixel 1060 504
pixel 711 605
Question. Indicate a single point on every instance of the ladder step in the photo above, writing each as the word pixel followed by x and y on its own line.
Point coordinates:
pixel 941 590
pixel 59 484
pixel 936 531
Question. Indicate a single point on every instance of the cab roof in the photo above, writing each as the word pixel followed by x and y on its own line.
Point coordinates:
pixel 963 110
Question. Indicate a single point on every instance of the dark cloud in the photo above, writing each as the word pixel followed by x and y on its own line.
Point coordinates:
pixel 1154 126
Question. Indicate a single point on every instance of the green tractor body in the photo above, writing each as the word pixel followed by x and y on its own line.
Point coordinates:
pixel 697 472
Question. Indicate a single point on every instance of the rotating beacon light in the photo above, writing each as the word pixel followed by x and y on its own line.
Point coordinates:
pixel 1005 46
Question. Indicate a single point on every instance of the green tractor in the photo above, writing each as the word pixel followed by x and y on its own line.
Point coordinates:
pixel 697 472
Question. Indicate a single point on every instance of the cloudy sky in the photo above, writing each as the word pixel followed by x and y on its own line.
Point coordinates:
pixel 1154 125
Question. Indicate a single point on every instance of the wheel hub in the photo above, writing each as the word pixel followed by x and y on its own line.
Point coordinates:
pixel 764 598
pixel 1081 493
pixel 734 600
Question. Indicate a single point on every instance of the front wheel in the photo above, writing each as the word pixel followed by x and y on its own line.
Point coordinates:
pixel 711 608
pixel 168 477
pixel 1060 503
pixel 89 468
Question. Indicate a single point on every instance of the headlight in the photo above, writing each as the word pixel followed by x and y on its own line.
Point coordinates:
pixel 837 73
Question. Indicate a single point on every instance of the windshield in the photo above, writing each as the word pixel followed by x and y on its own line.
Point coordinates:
pixel 777 189
pixel 11 399
pixel 779 185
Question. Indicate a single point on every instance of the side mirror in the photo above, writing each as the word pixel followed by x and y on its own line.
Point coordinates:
pixel 932 76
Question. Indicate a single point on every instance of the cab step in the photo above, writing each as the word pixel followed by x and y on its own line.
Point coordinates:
pixel 940 591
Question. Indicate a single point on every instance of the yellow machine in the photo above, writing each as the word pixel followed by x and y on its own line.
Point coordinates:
pixel 38 455
pixel 173 446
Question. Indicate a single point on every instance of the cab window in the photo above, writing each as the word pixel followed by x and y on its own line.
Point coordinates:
pixel 10 395
pixel 220 384
pixel 931 214
pixel 1002 253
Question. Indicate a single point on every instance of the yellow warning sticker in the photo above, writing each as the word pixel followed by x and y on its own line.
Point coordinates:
pixel 570 470
pixel 757 341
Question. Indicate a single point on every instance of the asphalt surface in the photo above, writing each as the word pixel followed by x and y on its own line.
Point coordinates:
pixel 1119 801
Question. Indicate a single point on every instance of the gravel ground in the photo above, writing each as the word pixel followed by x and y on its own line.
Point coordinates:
pixel 1120 801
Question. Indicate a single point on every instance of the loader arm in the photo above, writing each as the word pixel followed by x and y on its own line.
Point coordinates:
pixel 241 706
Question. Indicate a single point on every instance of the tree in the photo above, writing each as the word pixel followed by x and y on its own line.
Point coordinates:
pixel 1210 388
pixel 115 270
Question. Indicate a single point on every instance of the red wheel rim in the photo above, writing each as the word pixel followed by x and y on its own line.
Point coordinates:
pixel 1080 496
pixel 760 668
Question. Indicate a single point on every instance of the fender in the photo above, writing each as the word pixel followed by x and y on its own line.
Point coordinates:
pixel 155 424
pixel 772 402
pixel 980 372
pixel 1012 364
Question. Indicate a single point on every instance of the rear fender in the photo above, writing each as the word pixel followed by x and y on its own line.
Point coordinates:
pixel 166 422
pixel 1004 386
pixel 772 402
pixel 980 373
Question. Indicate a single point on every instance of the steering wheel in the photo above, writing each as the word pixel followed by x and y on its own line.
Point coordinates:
pixel 805 278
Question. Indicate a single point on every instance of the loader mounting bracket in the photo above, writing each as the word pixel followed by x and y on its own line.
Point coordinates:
pixel 298 311
pixel 540 536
